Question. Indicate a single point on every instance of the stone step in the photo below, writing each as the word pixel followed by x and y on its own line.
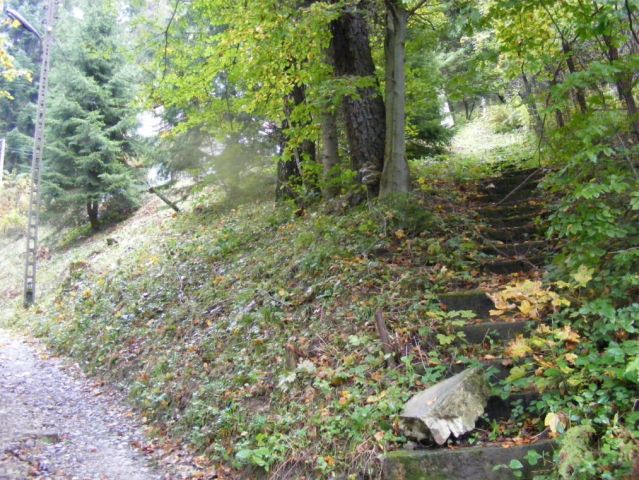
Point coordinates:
pixel 512 221
pixel 513 210
pixel 496 197
pixel 472 463
pixel 499 370
pixel 473 300
pixel 512 234
pixel 514 178
pixel 477 333
pixel 498 409
pixel 504 267
pixel 505 185
pixel 529 248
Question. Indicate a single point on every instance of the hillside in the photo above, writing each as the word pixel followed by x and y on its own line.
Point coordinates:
pixel 248 333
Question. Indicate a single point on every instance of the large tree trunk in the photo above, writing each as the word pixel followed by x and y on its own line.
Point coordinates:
pixel 395 176
pixel 92 212
pixel 289 168
pixel 623 82
pixel 364 113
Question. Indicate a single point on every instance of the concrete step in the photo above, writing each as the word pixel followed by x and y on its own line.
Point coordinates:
pixel 514 178
pixel 504 267
pixel 521 233
pixel 474 300
pixel 503 186
pixel 499 409
pixel 472 463
pixel 529 248
pixel 513 210
pixel 512 220
pixel 503 331
pixel 505 196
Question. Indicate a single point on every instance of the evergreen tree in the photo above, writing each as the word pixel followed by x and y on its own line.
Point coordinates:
pixel 91 118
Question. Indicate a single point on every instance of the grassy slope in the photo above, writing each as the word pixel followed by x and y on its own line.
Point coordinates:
pixel 249 333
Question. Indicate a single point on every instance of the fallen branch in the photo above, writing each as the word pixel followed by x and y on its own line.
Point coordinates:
pixel 164 199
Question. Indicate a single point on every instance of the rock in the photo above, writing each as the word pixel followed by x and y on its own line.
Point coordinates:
pixel 449 407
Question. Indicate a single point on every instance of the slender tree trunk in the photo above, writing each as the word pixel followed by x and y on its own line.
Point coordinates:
pixel 529 99
pixel 92 212
pixel 395 176
pixel 330 142
pixel 364 114
pixel 570 61
pixel 289 168
pixel 623 82
pixel 330 155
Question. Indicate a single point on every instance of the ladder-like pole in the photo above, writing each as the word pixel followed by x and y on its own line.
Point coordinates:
pixel 36 161
pixel 3 145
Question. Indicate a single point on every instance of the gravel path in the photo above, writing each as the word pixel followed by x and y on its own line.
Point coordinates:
pixel 56 426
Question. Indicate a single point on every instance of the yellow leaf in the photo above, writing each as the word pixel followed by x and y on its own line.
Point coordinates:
pixel 330 461
pixel 400 234
pixel 528 309
pixel 496 313
pixel 556 422
pixel 583 275
pixel 568 335
pixel 571 358
pixel 518 348
pixel 379 436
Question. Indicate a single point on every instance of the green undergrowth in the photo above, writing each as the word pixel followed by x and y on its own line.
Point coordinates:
pixel 250 335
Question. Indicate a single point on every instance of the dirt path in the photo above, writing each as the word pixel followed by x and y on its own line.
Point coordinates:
pixel 53 425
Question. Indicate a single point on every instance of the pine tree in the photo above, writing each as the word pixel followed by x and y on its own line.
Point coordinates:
pixel 91 119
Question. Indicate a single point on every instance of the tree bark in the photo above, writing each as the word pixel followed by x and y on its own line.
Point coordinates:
pixel 529 99
pixel 330 139
pixel 364 113
pixel 395 175
pixel 570 61
pixel 289 168
pixel 92 212
pixel 330 154
pixel 623 82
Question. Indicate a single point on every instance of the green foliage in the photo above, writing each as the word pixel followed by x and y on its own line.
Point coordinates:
pixel 14 204
pixel 508 118
pixel 92 117
pixel 19 85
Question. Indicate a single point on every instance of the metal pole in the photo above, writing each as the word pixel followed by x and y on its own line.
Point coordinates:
pixel 3 144
pixel 36 161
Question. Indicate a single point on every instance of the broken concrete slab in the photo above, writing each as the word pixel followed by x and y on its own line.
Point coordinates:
pixel 448 408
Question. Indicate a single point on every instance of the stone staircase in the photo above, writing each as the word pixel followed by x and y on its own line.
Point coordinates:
pixel 511 216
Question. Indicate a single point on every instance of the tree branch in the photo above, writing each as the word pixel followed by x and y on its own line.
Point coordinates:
pixel 166 37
